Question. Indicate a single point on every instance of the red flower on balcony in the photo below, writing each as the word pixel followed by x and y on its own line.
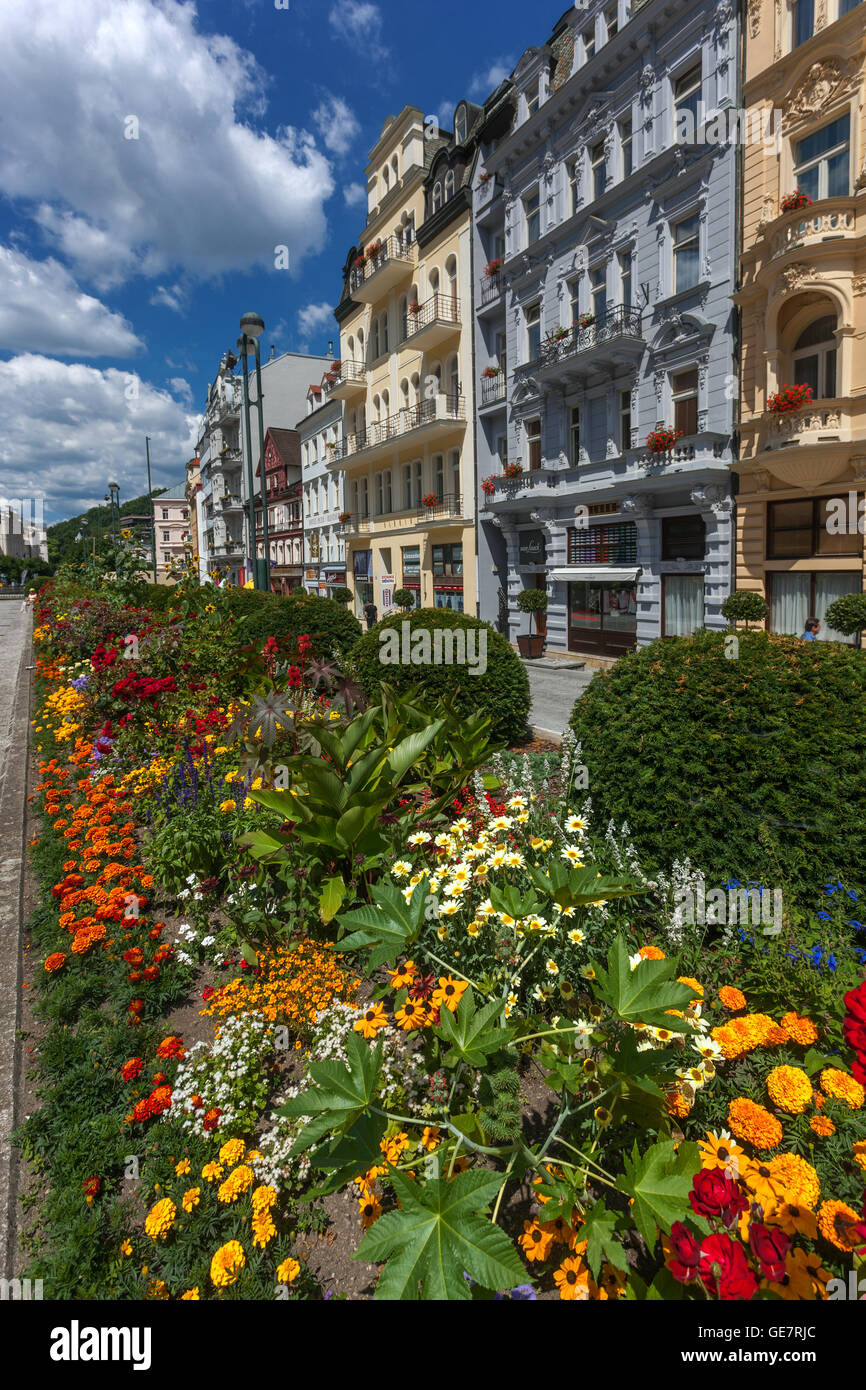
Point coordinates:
pixel 513 469
pixel 488 485
pixel 414 307
pixel 490 372
pixel 659 441
pixel 373 250
pixel 792 202
pixel 493 267
pixel 430 499
pixel 344 517
pixel 484 177
pixel 789 398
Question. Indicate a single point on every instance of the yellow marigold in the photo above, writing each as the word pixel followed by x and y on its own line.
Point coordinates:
pixel 822 1125
pixel 232 1152
pixel 744 1034
pixel 797 1178
pixel 789 1089
pixel 731 997
pixel 841 1086
pixel 191 1295
pixel 801 1031
pixel 692 984
pixel 237 1182
pixel 191 1198
pixel 227 1263
pixel 288 1271
pixel 651 953
pixel 838 1223
pixel 160 1218
pixel 212 1172
pixel 182 1167
pixel 264 1198
pixel 754 1124
pixel 263 1229
pixel 860 1153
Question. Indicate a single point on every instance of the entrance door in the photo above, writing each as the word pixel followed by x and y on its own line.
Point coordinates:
pixel 602 618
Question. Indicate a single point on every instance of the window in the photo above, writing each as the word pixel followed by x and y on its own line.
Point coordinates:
pixel 574 185
pixel 502 448
pixel 437 197
pixel 625 147
pixel 687 96
pixel 448 559
pixel 165 513
pixel 439 475
pixel 588 44
pixel 603 545
pixel 166 557
pixel 383 492
pixel 460 125
pixel 598 293
pixel 575 436
pixel 625 420
pixel 532 101
pixel 687 253
pixel 796 597
pixel 574 295
pixel 683 537
pixel 799 530
pixel 374 343
pixel 166 536
pixel 407 487
pixel 684 390
pixel 683 604
pixel 454 462
pixel 598 168
pixel 449 185
pixel 411 567
pixel 533 443
pixel 533 332
pixel 625 279
pixel 384 334
pixel 822 161
pixel 532 210
pixel 803 25
pixel 814 358
pixel 611 23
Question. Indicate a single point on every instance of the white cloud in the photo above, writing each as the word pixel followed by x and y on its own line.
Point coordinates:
pixel 337 124
pixel 181 387
pixel 360 23
pixel 313 318
pixel 42 309
pixel 355 195
pixel 486 82
pixel 69 427
pixel 82 79
pixel 165 297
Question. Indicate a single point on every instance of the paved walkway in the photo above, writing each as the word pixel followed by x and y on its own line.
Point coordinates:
pixel 554 687
pixel 15 629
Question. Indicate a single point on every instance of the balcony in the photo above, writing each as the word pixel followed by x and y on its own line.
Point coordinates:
pixel 492 390
pixel 435 320
pixel 231 503
pixel 392 263
pixel 422 418
pixel 618 329
pixel 490 291
pixel 351 381
pixel 830 220
pixel 448 509
pixel 820 422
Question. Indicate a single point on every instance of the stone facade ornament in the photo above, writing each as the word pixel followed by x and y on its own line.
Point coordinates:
pixel 858 284
pixel 638 504
pixel 858 464
pixel 761 480
pixel 820 15
pixel 793 276
pixel 823 83
pixel 777 47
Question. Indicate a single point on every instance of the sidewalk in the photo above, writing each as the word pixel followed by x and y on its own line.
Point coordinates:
pixel 554 686
pixel 15 630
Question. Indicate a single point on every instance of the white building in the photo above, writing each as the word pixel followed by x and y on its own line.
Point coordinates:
pixel 324 545
pixel 22 534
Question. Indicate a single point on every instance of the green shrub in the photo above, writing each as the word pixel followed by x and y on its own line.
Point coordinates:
pixel 749 760
pixel 404 598
pixel 331 627
pixel 847 614
pixel 502 691
pixel 745 606
pixel 341 594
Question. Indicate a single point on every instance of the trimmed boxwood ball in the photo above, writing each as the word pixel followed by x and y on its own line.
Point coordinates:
pixel 502 691
pixel 745 606
pixel 327 622
pixel 847 614
pixel 745 752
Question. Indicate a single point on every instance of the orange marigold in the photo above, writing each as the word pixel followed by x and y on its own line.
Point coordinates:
pixel 731 997
pixel 651 953
pixel 822 1125
pixel 841 1086
pixel 54 961
pixel 789 1089
pixel 801 1031
pixel 797 1179
pixel 838 1223
pixel 754 1124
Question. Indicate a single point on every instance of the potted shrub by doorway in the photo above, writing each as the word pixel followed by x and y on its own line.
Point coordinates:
pixel 531 601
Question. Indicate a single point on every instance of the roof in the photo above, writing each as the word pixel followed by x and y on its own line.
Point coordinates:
pixel 173 494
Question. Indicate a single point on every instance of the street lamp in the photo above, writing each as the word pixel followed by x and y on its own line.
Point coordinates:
pixel 152 509
pixel 252 326
pixel 113 499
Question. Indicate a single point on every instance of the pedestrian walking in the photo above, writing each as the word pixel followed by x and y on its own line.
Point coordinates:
pixel 813 627
pixel 370 614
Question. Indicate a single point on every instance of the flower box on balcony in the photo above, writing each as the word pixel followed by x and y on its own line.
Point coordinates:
pixel 557 335
pixel 488 485
pixel 373 250
pixel 513 469
pixel 490 372
pixel 660 441
pixel 360 262
pixel 493 267
pixel 586 321
pixel 414 307
pixel 344 517
pixel 789 398
pixel 430 499
pixel 792 202
pixel 484 177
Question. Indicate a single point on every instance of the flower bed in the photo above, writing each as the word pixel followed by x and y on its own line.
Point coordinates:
pixel 211 839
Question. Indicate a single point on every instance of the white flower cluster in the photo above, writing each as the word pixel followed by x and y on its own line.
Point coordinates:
pixel 203 941
pixel 230 1073
pixel 403 1074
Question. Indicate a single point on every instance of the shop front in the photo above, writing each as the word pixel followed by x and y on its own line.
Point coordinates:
pixel 362 573
pixel 601 579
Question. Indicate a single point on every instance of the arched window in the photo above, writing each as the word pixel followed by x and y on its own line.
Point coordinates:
pixel 350 349
pixel 385 181
pixel 361 344
pixel 377 408
pixel 386 404
pixel 416 388
pixel 433 285
pixel 395 169
pixel 437 196
pixel 374 341
pixel 384 333
pixel 814 358
pixel 452 376
pixel 404 394
pixel 402 318
pixel 449 185
pixel 460 125
pixel 451 278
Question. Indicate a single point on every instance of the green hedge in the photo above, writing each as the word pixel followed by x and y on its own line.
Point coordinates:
pixel 502 691
pixel 329 624
pixel 751 759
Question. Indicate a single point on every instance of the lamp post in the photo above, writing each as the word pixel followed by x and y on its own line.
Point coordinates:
pixel 113 498
pixel 252 326
pixel 152 509
pixel 251 500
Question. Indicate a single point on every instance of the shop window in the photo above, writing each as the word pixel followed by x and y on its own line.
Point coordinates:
pixel 683 604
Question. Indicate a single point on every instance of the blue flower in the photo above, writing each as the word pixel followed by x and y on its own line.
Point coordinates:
pixel 823 917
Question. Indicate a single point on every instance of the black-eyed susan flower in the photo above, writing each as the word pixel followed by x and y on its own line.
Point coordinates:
pixel 449 993
pixel 372 1020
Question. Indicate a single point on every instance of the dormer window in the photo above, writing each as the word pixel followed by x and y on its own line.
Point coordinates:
pixel 532 101
pixel 449 185
pixel 460 125
pixel 437 196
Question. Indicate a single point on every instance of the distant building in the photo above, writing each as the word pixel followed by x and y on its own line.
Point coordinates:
pixel 193 497
pixel 22 535
pixel 285 520
pixel 320 432
pixel 171 511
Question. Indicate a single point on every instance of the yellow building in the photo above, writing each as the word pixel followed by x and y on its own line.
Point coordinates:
pixel 405 375
pixel 802 298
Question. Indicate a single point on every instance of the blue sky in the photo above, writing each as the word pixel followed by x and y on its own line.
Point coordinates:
pixel 152 156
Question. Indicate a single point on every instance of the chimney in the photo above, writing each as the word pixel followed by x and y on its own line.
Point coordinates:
pixel 330 351
pixel 273 351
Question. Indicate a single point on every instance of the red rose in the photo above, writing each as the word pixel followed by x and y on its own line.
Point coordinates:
pixel 685 1253
pixel 725 1272
pixel 855 1002
pixel 716 1195
pixel 770 1246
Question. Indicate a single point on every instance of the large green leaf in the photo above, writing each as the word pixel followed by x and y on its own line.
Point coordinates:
pixel 340 1095
pixel 598 1231
pixel 437 1236
pixel 331 898
pixel 642 995
pixel 409 749
pixel 388 925
pixel 350 1154
pixel 472 1036
pixel 660 1181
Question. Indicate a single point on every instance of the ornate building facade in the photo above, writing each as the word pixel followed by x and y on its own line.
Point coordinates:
pixel 802 299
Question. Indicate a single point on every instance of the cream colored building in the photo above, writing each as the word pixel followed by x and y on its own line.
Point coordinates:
pixel 803 308
pixel 405 378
